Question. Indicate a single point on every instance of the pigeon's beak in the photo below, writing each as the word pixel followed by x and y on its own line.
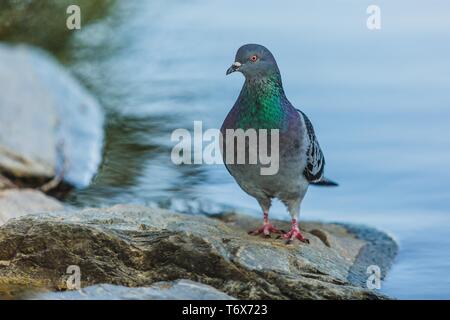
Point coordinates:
pixel 234 67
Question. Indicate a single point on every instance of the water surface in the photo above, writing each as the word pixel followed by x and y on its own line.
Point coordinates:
pixel 379 101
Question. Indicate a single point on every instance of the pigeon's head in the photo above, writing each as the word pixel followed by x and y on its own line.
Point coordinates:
pixel 254 61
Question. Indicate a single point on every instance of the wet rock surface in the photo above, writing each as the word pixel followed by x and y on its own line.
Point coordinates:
pixel 138 246
pixel 50 126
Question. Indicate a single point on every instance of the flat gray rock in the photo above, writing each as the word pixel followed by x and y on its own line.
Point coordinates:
pixel 176 290
pixel 48 122
pixel 15 203
pixel 137 246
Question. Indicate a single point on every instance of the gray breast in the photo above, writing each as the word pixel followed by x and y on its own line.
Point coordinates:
pixel 289 181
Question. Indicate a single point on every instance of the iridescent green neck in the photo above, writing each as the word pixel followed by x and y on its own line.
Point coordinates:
pixel 261 104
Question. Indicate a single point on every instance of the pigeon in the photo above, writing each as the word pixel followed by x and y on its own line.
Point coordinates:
pixel 262 104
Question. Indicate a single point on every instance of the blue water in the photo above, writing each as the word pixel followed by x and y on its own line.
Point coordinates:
pixel 379 101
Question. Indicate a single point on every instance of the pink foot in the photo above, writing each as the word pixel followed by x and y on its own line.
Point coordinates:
pixel 294 234
pixel 266 230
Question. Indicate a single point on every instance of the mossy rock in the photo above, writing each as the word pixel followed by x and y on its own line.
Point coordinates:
pixel 43 23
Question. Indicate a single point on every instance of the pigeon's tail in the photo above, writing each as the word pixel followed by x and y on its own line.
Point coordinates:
pixel 324 182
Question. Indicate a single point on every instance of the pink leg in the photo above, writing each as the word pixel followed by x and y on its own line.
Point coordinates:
pixel 266 229
pixel 294 234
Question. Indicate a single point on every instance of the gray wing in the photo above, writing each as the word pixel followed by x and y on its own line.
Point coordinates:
pixel 316 161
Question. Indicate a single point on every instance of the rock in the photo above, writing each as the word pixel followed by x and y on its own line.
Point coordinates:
pixel 5 183
pixel 15 203
pixel 49 124
pixel 175 290
pixel 43 23
pixel 137 246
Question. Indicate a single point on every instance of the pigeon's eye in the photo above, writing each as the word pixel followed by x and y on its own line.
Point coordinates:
pixel 253 58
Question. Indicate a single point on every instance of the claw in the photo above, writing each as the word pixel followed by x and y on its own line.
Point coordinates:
pixel 294 234
pixel 266 230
